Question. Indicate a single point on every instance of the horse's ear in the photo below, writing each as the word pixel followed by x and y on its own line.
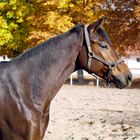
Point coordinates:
pixel 96 25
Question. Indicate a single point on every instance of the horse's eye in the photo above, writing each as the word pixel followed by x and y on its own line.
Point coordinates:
pixel 104 46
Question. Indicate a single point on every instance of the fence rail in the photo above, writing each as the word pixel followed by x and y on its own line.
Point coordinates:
pixel 135 74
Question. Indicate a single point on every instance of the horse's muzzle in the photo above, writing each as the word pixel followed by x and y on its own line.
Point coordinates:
pixel 122 81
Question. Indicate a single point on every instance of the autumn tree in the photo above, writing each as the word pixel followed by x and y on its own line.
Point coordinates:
pixel 26 23
pixel 123 23
pixel 13 26
pixel 53 17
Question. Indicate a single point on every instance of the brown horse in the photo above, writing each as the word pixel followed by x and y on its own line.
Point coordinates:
pixel 29 82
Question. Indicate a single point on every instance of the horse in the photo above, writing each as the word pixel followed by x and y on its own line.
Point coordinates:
pixel 30 81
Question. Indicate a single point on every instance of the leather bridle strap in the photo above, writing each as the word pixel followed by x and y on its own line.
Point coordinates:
pixel 92 55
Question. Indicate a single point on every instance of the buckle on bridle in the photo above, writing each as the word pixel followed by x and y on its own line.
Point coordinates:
pixel 91 54
pixel 112 66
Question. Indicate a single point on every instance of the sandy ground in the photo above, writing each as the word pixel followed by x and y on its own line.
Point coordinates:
pixel 90 113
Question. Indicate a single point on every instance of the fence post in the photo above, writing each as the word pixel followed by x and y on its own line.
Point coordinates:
pixel 97 82
pixel 71 80
pixel 80 76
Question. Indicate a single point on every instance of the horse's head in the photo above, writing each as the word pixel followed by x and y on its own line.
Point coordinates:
pixel 99 57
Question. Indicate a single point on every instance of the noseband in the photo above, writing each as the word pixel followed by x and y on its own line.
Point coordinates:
pixel 92 55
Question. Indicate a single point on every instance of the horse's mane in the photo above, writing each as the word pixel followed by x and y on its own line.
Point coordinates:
pixel 35 51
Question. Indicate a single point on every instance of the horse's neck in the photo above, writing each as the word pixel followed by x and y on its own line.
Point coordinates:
pixel 51 70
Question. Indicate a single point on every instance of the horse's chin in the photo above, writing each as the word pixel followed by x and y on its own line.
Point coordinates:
pixel 119 83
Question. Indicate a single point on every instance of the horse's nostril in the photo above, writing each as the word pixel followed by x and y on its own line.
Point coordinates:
pixel 129 77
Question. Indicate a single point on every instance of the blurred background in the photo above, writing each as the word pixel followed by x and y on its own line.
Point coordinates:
pixel 26 23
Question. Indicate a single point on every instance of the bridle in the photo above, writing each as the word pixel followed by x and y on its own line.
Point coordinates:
pixel 92 55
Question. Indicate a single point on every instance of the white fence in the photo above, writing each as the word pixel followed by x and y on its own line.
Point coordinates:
pixel 4 58
pixel 134 66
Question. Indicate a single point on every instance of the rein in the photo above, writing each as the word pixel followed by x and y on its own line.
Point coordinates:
pixel 92 55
